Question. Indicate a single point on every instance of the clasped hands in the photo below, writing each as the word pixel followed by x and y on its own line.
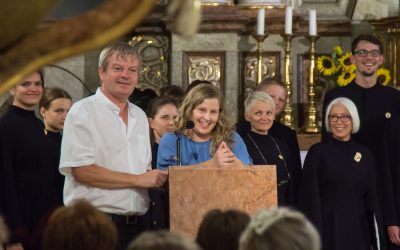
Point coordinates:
pixel 225 157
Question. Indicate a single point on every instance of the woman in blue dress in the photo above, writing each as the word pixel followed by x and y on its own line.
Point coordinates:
pixel 203 134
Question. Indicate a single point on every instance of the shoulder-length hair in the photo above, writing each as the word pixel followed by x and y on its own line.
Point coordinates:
pixel 351 107
pixel 222 130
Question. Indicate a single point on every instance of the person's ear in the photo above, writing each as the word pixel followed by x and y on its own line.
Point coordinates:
pixel 42 112
pixel 246 116
pixel 151 122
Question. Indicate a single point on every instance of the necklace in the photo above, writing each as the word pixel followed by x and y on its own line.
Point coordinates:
pixel 280 156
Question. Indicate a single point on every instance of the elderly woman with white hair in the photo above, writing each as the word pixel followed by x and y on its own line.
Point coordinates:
pixel 337 191
pixel 265 149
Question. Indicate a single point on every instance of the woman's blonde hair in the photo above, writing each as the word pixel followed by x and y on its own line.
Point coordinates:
pixel 222 130
pixel 279 228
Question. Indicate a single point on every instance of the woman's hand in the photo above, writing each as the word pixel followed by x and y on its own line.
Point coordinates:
pixel 224 156
pixel 394 234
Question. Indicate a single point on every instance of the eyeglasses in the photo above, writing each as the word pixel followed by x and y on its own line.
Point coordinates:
pixel 335 118
pixel 364 53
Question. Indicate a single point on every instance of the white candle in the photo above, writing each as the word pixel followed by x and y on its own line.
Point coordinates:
pixel 313 22
pixel 288 20
pixel 260 22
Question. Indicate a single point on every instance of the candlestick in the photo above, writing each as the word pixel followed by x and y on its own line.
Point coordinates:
pixel 260 40
pixel 287 113
pixel 260 22
pixel 311 125
pixel 288 20
pixel 312 22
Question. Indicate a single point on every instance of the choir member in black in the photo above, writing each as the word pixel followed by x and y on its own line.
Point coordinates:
pixel 54 107
pixel 275 88
pixel 338 192
pixel 265 149
pixel 377 105
pixel 27 191
pixel 162 113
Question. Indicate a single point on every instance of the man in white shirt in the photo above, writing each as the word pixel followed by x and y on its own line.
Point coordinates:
pixel 105 153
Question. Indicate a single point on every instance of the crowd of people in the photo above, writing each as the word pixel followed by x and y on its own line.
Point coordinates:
pixel 93 174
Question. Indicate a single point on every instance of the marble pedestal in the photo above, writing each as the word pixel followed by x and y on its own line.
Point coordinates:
pixel 193 191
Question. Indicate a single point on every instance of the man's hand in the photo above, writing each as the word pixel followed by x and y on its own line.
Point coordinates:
pixel 153 179
pixel 394 234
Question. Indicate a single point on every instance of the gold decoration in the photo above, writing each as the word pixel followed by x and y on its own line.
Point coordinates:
pixel 154 51
pixel 260 40
pixel 269 69
pixel 205 68
pixel 357 157
pixel 311 125
pixel 287 113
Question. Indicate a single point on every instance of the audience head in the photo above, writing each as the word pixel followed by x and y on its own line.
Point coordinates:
pixel 54 106
pixel 3 233
pixel 277 90
pixel 366 38
pixel 341 118
pixel 279 228
pixel 221 230
pixel 79 227
pixel 259 111
pixel 173 92
pixel 203 106
pixel 27 94
pixel 162 240
pixel 162 113
pixel 367 56
pixel 142 98
pixel 119 67
pixel 195 83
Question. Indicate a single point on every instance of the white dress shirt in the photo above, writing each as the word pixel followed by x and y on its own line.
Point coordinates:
pixel 94 133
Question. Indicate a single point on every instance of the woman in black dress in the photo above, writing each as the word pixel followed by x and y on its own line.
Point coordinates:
pixel 54 106
pixel 265 149
pixel 337 191
pixel 27 190
pixel 162 113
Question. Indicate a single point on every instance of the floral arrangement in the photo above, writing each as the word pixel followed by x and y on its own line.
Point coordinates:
pixel 338 67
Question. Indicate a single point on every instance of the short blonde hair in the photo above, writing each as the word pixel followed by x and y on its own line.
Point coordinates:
pixel 351 107
pixel 279 228
pixel 257 96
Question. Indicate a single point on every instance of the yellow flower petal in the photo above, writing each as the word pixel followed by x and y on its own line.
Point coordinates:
pixel 338 50
pixel 345 63
pixel 383 76
pixel 326 65
pixel 345 78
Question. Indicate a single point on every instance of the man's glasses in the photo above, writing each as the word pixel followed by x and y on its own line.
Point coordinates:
pixel 364 53
pixel 335 118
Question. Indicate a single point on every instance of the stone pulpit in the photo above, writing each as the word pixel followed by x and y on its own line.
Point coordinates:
pixel 193 191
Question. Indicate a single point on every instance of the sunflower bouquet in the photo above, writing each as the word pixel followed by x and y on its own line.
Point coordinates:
pixel 338 67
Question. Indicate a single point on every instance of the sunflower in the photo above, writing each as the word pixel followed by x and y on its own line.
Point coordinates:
pixel 346 64
pixel 383 76
pixel 345 78
pixel 326 65
pixel 338 50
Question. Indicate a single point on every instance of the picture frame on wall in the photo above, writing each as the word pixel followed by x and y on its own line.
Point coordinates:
pixel 200 65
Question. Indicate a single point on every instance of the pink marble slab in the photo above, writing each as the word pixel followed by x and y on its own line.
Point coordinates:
pixel 195 190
